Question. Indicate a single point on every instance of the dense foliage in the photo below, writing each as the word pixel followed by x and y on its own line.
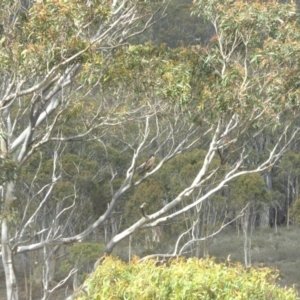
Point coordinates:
pixel 182 279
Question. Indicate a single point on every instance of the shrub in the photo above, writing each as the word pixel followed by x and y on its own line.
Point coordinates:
pixel 182 279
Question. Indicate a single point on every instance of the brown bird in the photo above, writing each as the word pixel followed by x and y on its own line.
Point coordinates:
pixel 148 164
pixel 142 207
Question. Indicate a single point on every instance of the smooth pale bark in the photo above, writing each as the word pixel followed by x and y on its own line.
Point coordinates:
pixel 7 260
pixel 7 252
pixel 247 238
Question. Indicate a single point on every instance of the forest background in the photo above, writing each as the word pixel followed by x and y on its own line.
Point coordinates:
pixel 90 89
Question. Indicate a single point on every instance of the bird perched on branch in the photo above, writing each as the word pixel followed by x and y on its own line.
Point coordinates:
pixel 142 207
pixel 148 165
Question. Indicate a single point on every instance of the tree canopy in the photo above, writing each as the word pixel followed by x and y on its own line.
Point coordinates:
pixel 87 96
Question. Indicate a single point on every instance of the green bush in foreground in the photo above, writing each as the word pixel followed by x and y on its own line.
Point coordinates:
pixel 182 279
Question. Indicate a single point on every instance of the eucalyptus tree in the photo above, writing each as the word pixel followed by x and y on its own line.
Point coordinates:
pixel 58 55
pixel 52 54
pixel 241 85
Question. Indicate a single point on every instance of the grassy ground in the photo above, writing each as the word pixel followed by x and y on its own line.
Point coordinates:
pixel 280 251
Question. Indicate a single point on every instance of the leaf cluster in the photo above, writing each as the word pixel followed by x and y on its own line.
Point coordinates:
pixel 249 188
pixel 52 32
pixel 8 170
pixel 83 257
pixel 165 72
pixel 254 54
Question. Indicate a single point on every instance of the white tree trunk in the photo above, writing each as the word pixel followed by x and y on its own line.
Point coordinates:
pixel 247 238
pixel 7 260
pixel 7 199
